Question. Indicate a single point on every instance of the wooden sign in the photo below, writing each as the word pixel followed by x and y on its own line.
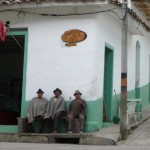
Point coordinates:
pixel 73 36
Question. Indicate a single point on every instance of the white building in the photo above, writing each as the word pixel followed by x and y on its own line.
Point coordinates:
pixel 34 55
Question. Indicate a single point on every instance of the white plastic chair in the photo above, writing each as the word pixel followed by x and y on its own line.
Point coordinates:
pixel 131 111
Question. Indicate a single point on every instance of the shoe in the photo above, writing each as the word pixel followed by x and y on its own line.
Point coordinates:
pixel 69 132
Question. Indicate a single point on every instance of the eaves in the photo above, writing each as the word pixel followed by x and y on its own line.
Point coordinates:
pixel 51 3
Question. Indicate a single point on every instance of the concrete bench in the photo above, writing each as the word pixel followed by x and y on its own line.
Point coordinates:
pixel 34 127
pixel 24 127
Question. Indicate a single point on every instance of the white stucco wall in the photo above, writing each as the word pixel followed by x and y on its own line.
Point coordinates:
pixel 144 57
pixel 50 64
pixel 58 66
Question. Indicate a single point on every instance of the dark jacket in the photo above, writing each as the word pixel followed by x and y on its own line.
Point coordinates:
pixel 77 107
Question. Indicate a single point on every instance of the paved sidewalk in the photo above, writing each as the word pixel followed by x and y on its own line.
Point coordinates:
pixel 113 132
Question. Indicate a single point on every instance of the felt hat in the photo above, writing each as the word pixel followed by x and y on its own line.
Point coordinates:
pixel 57 89
pixel 39 91
pixel 77 92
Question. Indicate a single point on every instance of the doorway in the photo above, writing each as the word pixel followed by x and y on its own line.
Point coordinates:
pixel 11 77
pixel 137 70
pixel 108 83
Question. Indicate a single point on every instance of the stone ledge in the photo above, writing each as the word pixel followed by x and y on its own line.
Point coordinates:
pixel 83 139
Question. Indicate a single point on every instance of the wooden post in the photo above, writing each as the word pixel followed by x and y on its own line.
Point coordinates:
pixel 123 103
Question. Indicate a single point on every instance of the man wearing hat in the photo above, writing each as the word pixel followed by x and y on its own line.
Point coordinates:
pixel 37 108
pixel 77 111
pixel 55 109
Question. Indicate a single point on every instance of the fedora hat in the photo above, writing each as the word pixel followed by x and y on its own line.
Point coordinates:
pixel 57 89
pixel 39 91
pixel 77 92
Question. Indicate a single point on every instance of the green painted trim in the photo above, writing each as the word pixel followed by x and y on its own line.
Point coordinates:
pixel 8 129
pixel 94 115
pixel 137 92
pixel 23 108
pixel 109 46
pixel 144 94
pixel 25 33
pixel 108 88
pixel 149 92
pixel 131 94
pixel 17 32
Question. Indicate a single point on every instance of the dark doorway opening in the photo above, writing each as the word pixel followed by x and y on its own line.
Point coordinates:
pixel 11 77
pixel 67 140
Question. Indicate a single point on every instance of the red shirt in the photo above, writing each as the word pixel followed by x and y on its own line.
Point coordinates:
pixel 3 31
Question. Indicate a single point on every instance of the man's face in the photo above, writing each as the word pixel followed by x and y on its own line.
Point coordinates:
pixel 39 95
pixel 57 93
pixel 77 95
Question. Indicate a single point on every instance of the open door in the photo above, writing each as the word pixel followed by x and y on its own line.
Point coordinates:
pixel 11 78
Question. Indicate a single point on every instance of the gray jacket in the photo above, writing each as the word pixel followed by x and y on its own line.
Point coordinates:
pixel 55 106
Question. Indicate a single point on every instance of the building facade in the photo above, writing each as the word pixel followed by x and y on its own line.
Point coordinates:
pixel 35 55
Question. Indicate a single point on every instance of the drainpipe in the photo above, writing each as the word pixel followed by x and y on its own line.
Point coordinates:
pixel 123 103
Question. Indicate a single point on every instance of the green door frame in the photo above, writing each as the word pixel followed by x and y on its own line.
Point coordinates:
pixel 14 128
pixel 149 79
pixel 108 81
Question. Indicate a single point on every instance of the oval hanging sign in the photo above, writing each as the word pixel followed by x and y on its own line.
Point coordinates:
pixel 73 36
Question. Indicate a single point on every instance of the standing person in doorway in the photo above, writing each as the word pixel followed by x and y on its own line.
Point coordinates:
pixel 37 109
pixel 55 109
pixel 77 111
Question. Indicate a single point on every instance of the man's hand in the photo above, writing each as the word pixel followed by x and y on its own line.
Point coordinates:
pixel 80 102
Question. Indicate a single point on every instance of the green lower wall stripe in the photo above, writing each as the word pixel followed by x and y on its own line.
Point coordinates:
pixel 8 129
pixel 145 95
pixel 94 114
pixel 94 119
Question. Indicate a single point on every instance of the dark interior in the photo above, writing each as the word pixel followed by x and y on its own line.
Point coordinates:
pixel 67 140
pixel 11 74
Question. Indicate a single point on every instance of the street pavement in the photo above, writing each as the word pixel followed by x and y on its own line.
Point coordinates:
pixel 35 146
pixel 139 139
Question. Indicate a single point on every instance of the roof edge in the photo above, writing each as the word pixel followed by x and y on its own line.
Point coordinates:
pixel 32 4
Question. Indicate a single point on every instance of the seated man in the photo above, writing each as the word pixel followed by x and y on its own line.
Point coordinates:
pixel 55 109
pixel 37 109
pixel 77 111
